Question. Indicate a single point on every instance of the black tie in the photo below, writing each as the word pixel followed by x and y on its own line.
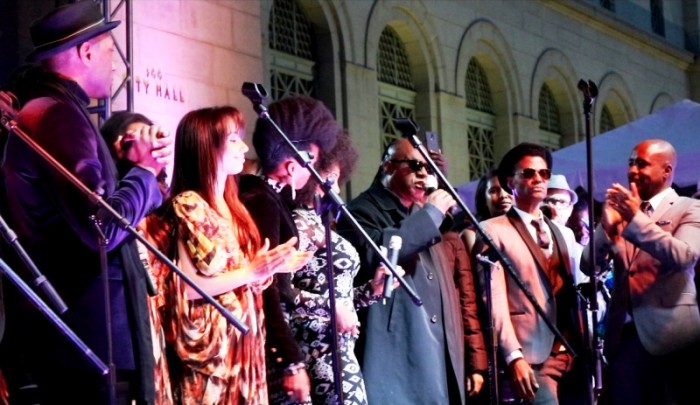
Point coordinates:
pixel 542 235
pixel 646 208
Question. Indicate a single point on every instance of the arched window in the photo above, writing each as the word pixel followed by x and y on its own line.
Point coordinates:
pixel 480 120
pixel 606 120
pixel 397 96
pixel 550 121
pixel 292 51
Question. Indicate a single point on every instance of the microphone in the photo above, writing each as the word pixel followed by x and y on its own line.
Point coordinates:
pixel 393 256
pixel 407 126
pixel 430 184
pixel 255 92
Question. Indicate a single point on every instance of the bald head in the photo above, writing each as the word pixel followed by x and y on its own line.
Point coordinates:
pixel 661 149
pixel 651 166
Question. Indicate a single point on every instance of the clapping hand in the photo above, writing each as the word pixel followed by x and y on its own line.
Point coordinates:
pixel 284 258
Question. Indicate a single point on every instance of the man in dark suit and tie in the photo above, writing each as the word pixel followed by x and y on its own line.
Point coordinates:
pixel 536 247
pixel 653 323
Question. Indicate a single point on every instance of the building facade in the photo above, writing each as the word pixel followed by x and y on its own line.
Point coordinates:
pixel 483 74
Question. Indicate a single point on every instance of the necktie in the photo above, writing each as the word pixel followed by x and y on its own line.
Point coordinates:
pixel 646 208
pixel 542 235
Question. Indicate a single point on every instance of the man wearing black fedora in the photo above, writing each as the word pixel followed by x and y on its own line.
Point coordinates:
pixel 74 47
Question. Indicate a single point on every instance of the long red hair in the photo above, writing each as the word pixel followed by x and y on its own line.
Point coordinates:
pixel 199 141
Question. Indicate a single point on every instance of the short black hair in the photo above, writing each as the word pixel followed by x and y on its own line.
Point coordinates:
pixel 304 120
pixel 507 166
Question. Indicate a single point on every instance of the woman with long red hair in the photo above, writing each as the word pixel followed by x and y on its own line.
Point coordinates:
pixel 217 245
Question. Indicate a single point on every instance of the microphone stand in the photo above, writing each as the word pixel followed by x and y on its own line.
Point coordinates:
pixel 409 130
pixel 590 92
pixel 102 243
pixel 7 119
pixel 40 280
pixel 326 210
pixel 257 94
pixel 48 312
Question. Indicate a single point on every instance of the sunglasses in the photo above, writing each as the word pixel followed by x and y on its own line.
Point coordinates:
pixel 528 173
pixel 414 165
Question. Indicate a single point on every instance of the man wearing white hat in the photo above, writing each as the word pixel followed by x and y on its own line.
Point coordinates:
pixel 560 199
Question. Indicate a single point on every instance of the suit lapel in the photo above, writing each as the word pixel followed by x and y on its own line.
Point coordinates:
pixel 658 213
pixel 532 245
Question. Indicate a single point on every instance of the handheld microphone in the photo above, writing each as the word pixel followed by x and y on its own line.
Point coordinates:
pixel 393 256
pixel 430 185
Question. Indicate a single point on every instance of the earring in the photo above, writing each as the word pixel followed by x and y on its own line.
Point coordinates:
pixel 294 189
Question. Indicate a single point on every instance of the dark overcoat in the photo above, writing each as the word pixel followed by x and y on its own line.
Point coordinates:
pixel 52 220
pixel 409 354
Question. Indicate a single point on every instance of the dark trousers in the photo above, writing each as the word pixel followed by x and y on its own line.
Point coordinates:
pixel 636 377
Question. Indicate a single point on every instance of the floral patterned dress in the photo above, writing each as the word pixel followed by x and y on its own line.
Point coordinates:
pixel 219 364
pixel 310 319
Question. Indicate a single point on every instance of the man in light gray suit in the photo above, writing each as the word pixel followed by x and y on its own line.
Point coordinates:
pixel 538 251
pixel 653 324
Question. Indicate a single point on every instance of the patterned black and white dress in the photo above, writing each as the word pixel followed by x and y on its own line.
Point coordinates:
pixel 310 320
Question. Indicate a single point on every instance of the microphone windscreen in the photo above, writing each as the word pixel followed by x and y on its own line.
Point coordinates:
pixel 430 185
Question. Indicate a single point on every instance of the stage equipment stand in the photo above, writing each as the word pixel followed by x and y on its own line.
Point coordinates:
pixel 333 206
pixel 410 130
pixel 590 92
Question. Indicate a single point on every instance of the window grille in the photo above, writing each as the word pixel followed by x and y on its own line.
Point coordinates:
pixel 392 61
pixel 548 111
pixel 481 150
pixel 293 57
pixel 397 96
pixel 477 88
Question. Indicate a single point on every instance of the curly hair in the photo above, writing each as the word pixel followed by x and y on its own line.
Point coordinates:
pixel 304 120
pixel 343 154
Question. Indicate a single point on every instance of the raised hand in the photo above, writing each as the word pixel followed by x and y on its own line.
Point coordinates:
pixel 151 147
pixel 442 200
pixel 625 202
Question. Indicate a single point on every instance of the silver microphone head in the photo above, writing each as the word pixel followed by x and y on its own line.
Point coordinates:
pixel 395 242
pixel 431 184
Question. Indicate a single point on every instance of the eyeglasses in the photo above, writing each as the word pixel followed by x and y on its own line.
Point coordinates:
pixel 528 173
pixel 557 202
pixel 414 165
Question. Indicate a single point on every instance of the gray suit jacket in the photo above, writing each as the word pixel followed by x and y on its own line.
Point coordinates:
pixel 654 268
pixel 516 322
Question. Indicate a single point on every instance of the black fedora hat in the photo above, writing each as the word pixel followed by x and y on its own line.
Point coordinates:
pixel 67 26
pixel 507 166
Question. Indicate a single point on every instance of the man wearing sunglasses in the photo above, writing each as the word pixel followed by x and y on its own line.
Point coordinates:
pixel 535 359
pixel 409 354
